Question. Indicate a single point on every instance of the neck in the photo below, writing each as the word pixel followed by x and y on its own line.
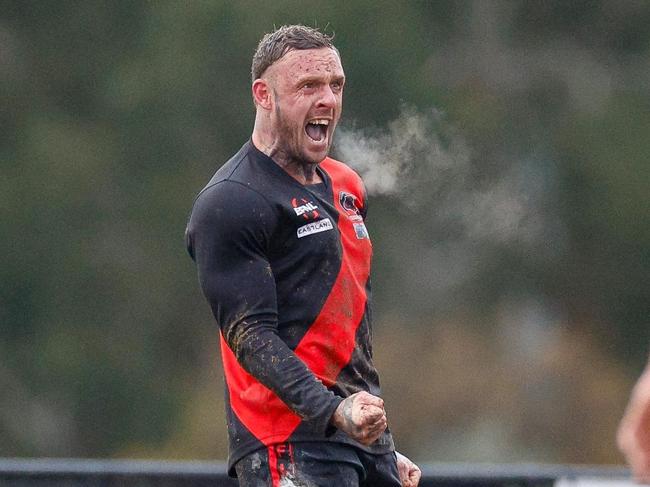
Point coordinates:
pixel 304 173
pixel 301 171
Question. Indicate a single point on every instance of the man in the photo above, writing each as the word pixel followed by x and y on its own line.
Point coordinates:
pixel 634 430
pixel 283 258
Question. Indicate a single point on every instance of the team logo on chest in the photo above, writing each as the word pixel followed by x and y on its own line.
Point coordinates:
pixel 349 204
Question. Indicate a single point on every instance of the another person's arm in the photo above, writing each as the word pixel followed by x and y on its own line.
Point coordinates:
pixel 634 430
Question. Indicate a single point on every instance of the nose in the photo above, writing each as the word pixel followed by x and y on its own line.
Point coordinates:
pixel 328 98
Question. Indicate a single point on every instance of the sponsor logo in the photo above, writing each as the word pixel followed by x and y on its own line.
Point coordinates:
pixel 315 227
pixel 306 209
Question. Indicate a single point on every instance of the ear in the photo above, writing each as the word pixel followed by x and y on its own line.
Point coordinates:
pixel 262 94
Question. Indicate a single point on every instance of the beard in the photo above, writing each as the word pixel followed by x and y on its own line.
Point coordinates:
pixel 290 136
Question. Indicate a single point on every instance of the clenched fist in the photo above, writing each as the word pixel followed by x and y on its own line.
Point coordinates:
pixel 409 472
pixel 361 416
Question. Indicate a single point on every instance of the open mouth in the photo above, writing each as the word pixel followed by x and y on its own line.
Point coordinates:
pixel 317 129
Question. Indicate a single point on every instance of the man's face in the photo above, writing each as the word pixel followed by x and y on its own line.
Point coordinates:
pixel 308 92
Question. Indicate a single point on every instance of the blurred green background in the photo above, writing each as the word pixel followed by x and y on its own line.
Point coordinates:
pixel 511 268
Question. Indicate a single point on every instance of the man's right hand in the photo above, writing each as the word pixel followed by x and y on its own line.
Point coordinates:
pixel 361 416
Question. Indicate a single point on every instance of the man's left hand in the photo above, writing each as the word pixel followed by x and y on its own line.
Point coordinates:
pixel 409 473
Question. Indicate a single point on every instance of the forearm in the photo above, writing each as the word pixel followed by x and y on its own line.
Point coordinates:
pixel 263 354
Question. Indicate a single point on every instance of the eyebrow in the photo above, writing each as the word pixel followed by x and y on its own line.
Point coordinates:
pixel 319 79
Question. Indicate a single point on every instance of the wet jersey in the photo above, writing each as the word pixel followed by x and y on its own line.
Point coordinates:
pixel 285 268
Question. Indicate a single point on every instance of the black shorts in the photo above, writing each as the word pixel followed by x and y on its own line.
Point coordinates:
pixel 314 464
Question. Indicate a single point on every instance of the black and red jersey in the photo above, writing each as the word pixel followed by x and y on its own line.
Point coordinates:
pixel 286 270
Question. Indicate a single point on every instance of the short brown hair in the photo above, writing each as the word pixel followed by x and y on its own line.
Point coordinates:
pixel 287 38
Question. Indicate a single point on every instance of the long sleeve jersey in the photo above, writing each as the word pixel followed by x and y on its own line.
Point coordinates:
pixel 285 268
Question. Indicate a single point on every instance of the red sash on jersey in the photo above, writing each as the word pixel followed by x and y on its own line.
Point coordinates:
pixel 328 344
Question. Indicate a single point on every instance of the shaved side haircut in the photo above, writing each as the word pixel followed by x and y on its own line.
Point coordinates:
pixel 287 38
